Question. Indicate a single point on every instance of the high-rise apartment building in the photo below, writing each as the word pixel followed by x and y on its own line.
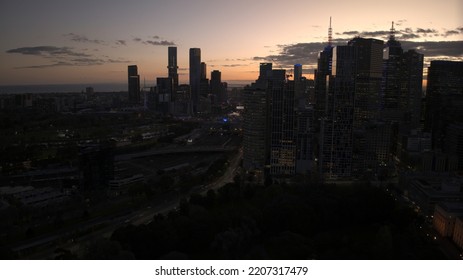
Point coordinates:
pixel 195 78
pixel 164 90
pixel 134 85
pixel 172 66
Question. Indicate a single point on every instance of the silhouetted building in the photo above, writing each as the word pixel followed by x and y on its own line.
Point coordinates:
pixel 351 108
pixel 304 138
pixel 256 123
pixel 255 128
pixel 203 71
pixel 444 98
pixel 96 165
pixel 277 130
pixel 164 88
pixel 401 90
pixel 172 66
pixel 298 89
pixel 134 85
pixel 218 89
pixel 454 142
pixel 322 75
pixel 282 124
pixel 195 78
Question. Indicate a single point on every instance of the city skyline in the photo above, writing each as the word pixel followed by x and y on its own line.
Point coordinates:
pixel 51 42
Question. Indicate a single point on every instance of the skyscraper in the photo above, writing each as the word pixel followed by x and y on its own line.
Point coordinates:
pixel 282 124
pixel 256 125
pixel 164 88
pixel 322 74
pixel 134 85
pixel 216 86
pixel 195 77
pixel 401 88
pixel 172 66
pixel 351 109
pixel 203 71
pixel 298 90
pixel 444 98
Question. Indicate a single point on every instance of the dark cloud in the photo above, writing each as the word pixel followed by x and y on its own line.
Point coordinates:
pixel 436 49
pixel 121 42
pixel 63 56
pixel 407 36
pixel 375 33
pixel 47 51
pixel 451 32
pixel 156 42
pixel 58 64
pixel 427 31
pixel 159 43
pixel 82 39
pixel 350 33
pixel 400 22
pixel 232 65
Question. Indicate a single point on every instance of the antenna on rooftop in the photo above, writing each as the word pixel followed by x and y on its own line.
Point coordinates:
pixel 392 32
pixel 330 35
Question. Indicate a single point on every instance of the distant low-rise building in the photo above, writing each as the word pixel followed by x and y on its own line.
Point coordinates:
pixel 445 215
pixel 458 232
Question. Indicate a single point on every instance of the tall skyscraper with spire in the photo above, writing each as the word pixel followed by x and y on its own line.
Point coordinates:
pixel 322 75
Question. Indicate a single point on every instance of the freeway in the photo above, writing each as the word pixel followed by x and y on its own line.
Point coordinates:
pixel 105 226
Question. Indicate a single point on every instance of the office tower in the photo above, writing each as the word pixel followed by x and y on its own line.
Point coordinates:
pixel 282 124
pixel 322 74
pixel 444 98
pixel 336 127
pixel 195 78
pixel 256 124
pixel 454 142
pixel 265 70
pixel 369 61
pixel 298 90
pixel 304 115
pixel 216 87
pixel 391 96
pixel 412 85
pixel 401 90
pixel 164 92
pixel 351 109
pixel 134 85
pixel 255 129
pixel 203 71
pixel 172 66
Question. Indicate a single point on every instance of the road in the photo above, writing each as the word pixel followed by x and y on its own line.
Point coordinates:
pixel 107 225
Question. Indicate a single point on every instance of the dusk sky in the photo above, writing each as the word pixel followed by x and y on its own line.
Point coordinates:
pixel 59 42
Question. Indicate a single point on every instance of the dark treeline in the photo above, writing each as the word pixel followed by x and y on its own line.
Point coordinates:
pixel 277 222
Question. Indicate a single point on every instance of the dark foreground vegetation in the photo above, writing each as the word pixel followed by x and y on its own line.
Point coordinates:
pixel 276 222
